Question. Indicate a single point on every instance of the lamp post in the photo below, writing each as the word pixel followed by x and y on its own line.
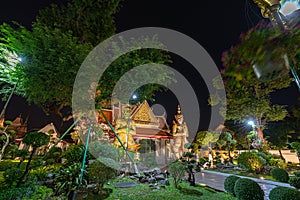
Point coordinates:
pixel 270 9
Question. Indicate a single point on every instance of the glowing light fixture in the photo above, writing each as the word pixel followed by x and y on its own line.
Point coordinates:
pixel 134 96
pixel 251 123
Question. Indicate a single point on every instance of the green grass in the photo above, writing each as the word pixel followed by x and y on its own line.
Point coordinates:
pixel 1 177
pixel 143 192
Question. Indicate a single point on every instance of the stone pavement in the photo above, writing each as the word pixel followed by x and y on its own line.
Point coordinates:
pixel 216 180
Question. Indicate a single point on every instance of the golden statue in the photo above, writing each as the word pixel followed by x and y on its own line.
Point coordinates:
pixel 125 129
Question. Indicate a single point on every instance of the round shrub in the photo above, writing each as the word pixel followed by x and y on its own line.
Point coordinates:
pixel 229 184
pixel 250 160
pixel 284 193
pixel 297 173
pixel 295 181
pixel 247 189
pixel 280 174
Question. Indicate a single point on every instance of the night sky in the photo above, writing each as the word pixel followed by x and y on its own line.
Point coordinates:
pixel 216 25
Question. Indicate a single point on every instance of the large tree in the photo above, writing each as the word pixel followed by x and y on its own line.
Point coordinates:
pixel 58 42
pixel 249 98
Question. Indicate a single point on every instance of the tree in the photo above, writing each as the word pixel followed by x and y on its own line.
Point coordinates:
pixel 247 96
pixel 204 139
pixel 226 140
pixel 190 164
pixel 278 135
pixel 60 39
pixel 35 140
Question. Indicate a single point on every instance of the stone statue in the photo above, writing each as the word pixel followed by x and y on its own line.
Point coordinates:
pixel 125 129
pixel 180 134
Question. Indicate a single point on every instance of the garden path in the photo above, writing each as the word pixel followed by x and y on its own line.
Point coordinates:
pixel 216 180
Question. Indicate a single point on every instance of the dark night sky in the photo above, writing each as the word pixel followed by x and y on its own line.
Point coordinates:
pixel 216 25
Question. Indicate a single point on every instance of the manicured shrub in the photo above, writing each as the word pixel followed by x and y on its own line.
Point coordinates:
pixel 295 181
pixel 250 160
pixel 177 171
pixel 100 173
pixel 229 184
pixel 284 193
pixel 297 173
pixel 280 174
pixel 247 189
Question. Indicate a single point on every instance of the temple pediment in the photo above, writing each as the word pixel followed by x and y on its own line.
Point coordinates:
pixel 143 114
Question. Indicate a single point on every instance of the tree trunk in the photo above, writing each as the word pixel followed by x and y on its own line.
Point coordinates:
pixel 5 145
pixel 229 150
pixel 260 134
pixel 27 167
pixel 192 180
pixel 281 156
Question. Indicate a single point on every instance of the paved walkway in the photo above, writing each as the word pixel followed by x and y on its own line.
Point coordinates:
pixel 216 180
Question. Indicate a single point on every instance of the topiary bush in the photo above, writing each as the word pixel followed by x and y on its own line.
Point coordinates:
pixel 250 160
pixel 280 174
pixel 295 181
pixel 247 189
pixel 229 184
pixel 284 193
pixel 297 173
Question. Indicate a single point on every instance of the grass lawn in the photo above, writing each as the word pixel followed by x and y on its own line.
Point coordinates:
pixel 143 192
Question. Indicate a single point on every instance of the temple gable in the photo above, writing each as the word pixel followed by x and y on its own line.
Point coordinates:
pixel 143 114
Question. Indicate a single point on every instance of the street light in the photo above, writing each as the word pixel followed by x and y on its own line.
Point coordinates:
pixel 271 9
pixel 251 123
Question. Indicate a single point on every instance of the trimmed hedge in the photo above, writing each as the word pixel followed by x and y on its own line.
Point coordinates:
pixel 229 184
pixel 247 189
pixel 250 160
pixel 295 181
pixel 284 193
pixel 280 174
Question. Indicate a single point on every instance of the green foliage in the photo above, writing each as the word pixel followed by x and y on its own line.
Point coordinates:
pixel 280 174
pixel 297 173
pixel 247 96
pixel 41 172
pixel 177 171
pixel 190 164
pixel 247 189
pixel 295 181
pixel 284 193
pixel 250 160
pixel 58 43
pixel 204 138
pixel 229 184
pixel 36 139
pixel 68 178
pixel 11 175
pixel 54 156
pixel 190 191
pixel 7 164
pixel 74 154
pixel 27 192
pixel 296 146
pixel 100 173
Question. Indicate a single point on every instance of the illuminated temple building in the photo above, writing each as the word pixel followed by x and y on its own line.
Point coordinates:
pixel 152 132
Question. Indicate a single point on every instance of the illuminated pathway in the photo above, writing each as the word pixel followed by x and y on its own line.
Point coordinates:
pixel 216 180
